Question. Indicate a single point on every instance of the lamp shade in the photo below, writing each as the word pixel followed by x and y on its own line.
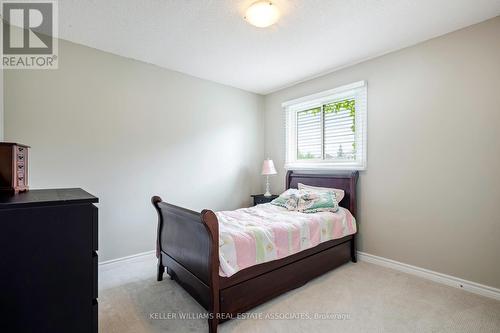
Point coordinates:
pixel 268 168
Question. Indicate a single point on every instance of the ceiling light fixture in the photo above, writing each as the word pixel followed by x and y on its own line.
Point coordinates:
pixel 262 14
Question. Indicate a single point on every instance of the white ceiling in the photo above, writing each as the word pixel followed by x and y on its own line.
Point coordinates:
pixel 209 39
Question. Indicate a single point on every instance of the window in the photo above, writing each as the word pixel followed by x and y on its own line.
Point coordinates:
pixel 327 130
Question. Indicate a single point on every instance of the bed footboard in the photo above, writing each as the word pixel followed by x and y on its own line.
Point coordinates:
pixel 188 246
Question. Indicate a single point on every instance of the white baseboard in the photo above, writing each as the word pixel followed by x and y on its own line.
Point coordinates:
pixel 118 262
pixel 448 280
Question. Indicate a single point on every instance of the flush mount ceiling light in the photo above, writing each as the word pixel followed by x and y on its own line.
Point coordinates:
pixel 262 14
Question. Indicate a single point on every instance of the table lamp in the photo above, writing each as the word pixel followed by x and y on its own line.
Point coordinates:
pixel 268 169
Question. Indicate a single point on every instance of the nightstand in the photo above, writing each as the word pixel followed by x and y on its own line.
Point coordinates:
pixel 260 199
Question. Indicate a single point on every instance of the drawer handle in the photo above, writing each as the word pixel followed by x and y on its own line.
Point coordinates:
pixel 20 157
pixel 20 166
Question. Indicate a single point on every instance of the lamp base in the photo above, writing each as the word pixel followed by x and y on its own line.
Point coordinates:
pixel 268 190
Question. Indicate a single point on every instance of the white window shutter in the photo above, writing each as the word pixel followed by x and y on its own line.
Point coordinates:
pixel 322 136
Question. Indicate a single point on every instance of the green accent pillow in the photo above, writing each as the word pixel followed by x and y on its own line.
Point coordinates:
pixel 313 202
pixel 288 199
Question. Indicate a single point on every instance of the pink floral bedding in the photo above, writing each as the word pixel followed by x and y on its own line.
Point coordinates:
pixel 250 236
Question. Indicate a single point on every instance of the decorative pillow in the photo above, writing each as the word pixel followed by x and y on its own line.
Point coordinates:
pixel 288 199
pixel 313 202
pixel 339 194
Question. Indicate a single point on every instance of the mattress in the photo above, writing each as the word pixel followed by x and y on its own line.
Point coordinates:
pixel 251 236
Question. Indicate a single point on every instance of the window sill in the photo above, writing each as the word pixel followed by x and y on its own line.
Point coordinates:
pixel 323 166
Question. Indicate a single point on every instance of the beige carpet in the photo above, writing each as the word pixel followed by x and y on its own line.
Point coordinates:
pixel 358 298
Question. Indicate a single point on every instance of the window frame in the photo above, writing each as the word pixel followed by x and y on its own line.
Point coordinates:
pixel 356 91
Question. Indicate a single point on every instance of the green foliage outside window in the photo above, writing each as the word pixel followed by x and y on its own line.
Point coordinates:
pixel 335 107
pixel 306 156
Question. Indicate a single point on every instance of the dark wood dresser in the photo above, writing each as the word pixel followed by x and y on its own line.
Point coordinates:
pixel 48 261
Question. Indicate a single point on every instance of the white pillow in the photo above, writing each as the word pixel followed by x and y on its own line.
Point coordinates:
pixel 288 199
pixel 339 194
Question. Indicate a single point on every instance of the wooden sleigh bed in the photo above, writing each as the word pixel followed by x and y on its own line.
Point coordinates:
pixel 188 247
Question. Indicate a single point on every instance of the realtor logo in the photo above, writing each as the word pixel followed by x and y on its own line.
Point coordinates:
pixel 29 38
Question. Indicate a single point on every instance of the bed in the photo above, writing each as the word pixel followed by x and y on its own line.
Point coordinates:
pixel 188 248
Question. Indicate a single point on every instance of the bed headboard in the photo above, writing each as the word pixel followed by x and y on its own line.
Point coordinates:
pixel 345 180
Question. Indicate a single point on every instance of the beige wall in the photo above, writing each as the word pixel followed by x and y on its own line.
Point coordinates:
pixel 125 130
pixel 430 196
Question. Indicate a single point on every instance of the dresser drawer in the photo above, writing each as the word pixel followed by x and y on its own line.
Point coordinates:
pixel 95 275
pixel 261 199
pixel 95 312
pixel 20 167
pixel 21 180
pixel 95 228
pixel 20 151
